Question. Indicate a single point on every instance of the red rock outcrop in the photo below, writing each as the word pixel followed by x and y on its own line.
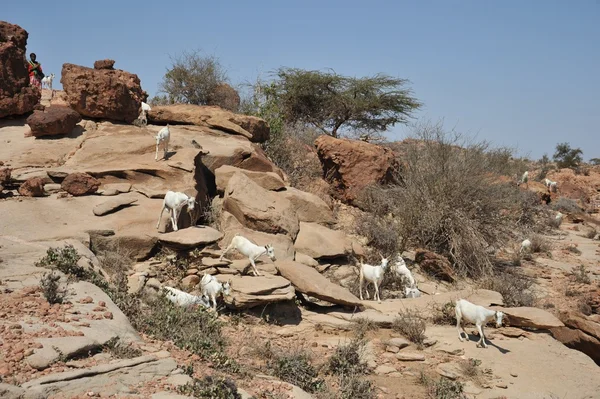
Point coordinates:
pixel 53 121
pixel 102 93
pixel 33 187
pixel 104 64
pixel 80 184
pixel 17 97
pixel 350 165
pixel 435 265
pixel 225 97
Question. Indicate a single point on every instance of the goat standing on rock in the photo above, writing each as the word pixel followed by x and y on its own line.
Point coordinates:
pixel 174 202
pixel 163 136
pixel 249 249
pixel 181 298
pixel 47 81
pixel 477 315
pixel 211 288
pixel 373 274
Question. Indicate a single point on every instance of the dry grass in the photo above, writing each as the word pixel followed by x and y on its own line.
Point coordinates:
pixel 581 275
pixel 444 314
pixel 540 244
pixel 591 233
pixel 412 325
pixel 516 289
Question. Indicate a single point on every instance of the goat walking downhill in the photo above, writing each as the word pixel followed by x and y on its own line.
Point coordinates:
pixel 47 81
pixel 373 274
pixel 249 249
pixel 477 315
pixel 184 299
pixel 163 136
pixel 211 288
pixel 174 202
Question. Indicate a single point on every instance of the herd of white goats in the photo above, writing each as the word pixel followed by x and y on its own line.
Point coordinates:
pixel 211 288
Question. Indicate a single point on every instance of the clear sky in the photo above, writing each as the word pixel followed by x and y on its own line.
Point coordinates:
pixel 517 73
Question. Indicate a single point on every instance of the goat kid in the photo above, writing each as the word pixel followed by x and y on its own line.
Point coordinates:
pixel 525 246
pixel 184 299
pixel 399 269
pixel 174 202
pixel 249 249
pixel 373 274
pixel 163 137
pixel 477 315
pixel 211 288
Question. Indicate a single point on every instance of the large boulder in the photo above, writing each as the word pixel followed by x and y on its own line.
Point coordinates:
pixel 320 242
pixel 267 180
pixel 259 209
pixel 350 165
pixel 102 93
pixel 17 97
pixel 578 340
pixel 190 237
pixel 33 187
pixel 80 184
pixel 435 265
pixel 309 207
pixel 53 121
pixel 573 320
pixel 529 317
pixel 251 127
pixel 310 282
pixel 226 97
pixel 250 291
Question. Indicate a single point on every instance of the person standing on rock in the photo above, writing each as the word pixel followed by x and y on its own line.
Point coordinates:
pixel 35 71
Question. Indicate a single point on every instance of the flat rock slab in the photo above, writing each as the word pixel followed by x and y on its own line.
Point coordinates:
pixel 267 180
pixel 530 318
pixel 190 237
pixel 120 187
pixel 53 348
pixel 319 241
pixel 380 319
pixel 112 205
pixel 250 291
pixel 410 357
pixel 257 285
pixel 310 282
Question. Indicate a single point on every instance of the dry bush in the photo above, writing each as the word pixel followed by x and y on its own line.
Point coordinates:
pixel 581 275
pixel 449 199
pixel 296 368
pixel 382 233
pixel 539 244
pixel 574 250
pixel 412 325
pixel 470 367
pixel 565 205
pixel 442 388
pixel 346 360
pixel 444 313
pixel 121 350
pixel 362 325
pixel 591 233
pixel 516 289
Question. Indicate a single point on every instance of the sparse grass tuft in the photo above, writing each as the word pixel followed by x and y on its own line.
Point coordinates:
pixel 516 289
pixel 52 289
pixel 346 360
pixel 120 350
pixel 352 387
pixel 211 387
pixel 539 244
pixel 362 325
pixel 412 325
pixel 444 313
pixel 296 368
pixel 581 275
pixel 442 388
pixel 470 367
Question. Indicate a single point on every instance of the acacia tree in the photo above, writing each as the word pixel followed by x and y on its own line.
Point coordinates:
pixel 331 102
pixel 567 157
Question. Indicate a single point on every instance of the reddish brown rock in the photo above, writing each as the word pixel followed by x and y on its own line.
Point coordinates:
pixel 226 97
pixel 80 184
pixel 573 320
pixel 104 64
pixel 53 121
pixel 33 187
pixel 435 265
pixel 102 93
pixel 5 175
pixel 350 165
pixel 17 97
pixel 578 340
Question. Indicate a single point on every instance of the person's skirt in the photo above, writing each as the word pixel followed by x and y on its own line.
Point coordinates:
pixel 35 82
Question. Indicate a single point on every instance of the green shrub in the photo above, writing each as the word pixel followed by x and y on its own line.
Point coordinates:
pixel 64 259
pixel 211 388
pixel 346 359
pixel 296 368
pixel 52 289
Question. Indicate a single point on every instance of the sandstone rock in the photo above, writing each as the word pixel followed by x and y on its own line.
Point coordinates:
pixel 226 97
pixel 55 120
pixel 448 370
pixel 139 247
pixel 190 237
pixel 308 207
pixel 8 391
pixel 310 282
pixel 5 175
pixel 573 320
pixel 104 64
pixel 80 184
pixel 250 291
pixel 321 242
pixel 33 187
pixel 17 97
pixel 253 128
pixel 267 180
pixel 435 265
pixel 305 260
pixel 410 357
pixel 398 342
pixel 190 281
pixel 259 209
pixel 112 205
pixel 352 165
pixel 119 187
pixel 51 188
pixel 384 369
pixel 53 348
pixel 578 340
pixel 102 93
pixel 530 317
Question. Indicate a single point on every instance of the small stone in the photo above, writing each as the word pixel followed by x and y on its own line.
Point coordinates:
pixel 410 357
pixel 383 369
pixel 102 303
pixel 514 375
pixel 502 386
pixel 87 299
pixel 108 315
pixel 392 349
pixel 400 343
pixel 191 271
pixel 190 281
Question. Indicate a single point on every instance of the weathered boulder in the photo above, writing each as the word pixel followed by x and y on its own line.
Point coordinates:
pixel 33 187
pixel 310 282
pixel 435 265
pixel 226 97
pixel 267 180
pixel 259 209
pixel 104 64
pixel 282 244
pixel 53 121
pixel 102 93
pixel 530 317
pixel 190 237
pixel 320 242
pixel 17 97
pixel 305 260
pixel 578 340
pixel 138 247
pixel 573 320
pixel 113 205
pixel 351 165
pixel 251 127
pixel 250 291
pixel 80 184
pixel 5 174
pixel 308 207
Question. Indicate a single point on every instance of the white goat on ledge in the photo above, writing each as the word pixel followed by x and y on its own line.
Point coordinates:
pixel 211 288
pixel 249 249
pixel 373 274
pixel 163 136
pixel 174 202
pixel 477 315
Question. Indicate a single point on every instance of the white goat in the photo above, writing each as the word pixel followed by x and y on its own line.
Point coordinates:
pixel 47 81
pixel 174 202
pixel 184 299
pixel 163 136
pixel 249 249
pixel 553 186
pixel 525 178
pixel 373 274
pixel 146 107
pixel 399 269
pixel 525 246
pixel 477 315
pixel 559 217
pixel 547 182
pixel 211 288
pixel 411 292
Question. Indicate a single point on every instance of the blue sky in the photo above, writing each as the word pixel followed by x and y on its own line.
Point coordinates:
pixel 517 73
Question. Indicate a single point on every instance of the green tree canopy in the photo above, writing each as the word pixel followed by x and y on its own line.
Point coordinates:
pixel 567 157
pixel 332 102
